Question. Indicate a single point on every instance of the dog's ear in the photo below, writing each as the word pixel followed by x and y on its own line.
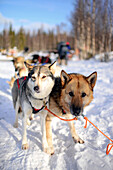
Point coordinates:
pixel 52 67
pixel 30 67
pixel 64 78
pixel 92 79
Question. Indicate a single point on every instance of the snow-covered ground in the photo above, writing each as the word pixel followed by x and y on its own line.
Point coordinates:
pixel 68 156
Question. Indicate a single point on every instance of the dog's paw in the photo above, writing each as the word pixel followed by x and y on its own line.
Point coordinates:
pixel 49 150
pixel 31 117
pixel 25 146
pixel 15 125
pixel 78 140
pixel 28 122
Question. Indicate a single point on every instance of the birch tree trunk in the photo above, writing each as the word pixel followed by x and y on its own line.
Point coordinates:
pixel 93 29
pixel 111 26
pixel 89 29
pixel 104 27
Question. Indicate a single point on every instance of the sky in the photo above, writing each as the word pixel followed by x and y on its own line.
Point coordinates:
pixel 33 14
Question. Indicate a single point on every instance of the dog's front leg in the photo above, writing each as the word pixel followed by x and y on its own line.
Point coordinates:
pixel 24 132
pixel 24 129
pixel 43 128
pixel 49 135
pixel 75 136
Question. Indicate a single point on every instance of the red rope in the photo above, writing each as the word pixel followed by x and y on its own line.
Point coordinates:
pixel 109 145
pixel 107 150
pixel 58 116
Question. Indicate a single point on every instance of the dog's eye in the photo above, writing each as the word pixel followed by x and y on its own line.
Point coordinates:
pixel 83 94
pixel 71 94
pixel 43 77
pixel 33 78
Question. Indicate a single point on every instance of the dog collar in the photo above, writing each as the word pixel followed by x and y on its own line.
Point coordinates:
pixel 63 112
pixel 35 111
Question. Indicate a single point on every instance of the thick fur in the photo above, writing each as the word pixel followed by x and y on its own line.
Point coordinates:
pixel 72 93
pixel 33 92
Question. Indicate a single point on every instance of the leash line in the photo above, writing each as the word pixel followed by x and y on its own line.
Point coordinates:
pixel 109 146
pixel 58 116
pixel 96 128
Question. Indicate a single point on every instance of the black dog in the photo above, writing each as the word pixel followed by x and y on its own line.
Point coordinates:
pixel 42 59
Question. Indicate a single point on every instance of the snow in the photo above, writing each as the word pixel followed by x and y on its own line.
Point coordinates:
pixel 68 156
pixel 101 56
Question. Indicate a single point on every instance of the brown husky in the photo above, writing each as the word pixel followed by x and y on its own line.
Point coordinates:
pixel 70 95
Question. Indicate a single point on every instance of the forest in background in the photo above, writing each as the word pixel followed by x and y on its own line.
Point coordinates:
pixel 91 33
pixel 36 40
pixel 92 26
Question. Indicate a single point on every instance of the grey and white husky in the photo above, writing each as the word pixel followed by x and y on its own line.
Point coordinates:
pixel 29 95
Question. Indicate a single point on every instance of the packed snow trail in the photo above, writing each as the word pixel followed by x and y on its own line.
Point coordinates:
pixel 68 156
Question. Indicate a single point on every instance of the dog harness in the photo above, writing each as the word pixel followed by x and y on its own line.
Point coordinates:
pixel 40 60
pixel 34 110
pixel 63 112
pixel 18 81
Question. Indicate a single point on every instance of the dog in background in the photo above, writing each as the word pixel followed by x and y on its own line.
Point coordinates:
pixel 19 66
pixel 20 70
pixel 41 59
pixel 70 95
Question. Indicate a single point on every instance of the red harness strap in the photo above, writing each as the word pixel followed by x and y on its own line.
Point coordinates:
pixel 47 60
pixel 18 81
pixel 39 59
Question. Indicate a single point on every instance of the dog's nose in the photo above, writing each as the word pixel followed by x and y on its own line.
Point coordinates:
pixel 75 110
pixel 36 88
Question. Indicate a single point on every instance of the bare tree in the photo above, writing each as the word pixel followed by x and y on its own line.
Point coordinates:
pixel 92 25
pixel 93 29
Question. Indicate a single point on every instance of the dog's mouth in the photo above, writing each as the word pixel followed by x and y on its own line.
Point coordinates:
pixel 36 89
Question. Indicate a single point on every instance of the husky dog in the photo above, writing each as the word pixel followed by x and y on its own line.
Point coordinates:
pixel 29 95
pixel 70 95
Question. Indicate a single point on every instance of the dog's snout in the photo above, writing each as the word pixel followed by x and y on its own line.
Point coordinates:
pixel 75 110
pixel 36 88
